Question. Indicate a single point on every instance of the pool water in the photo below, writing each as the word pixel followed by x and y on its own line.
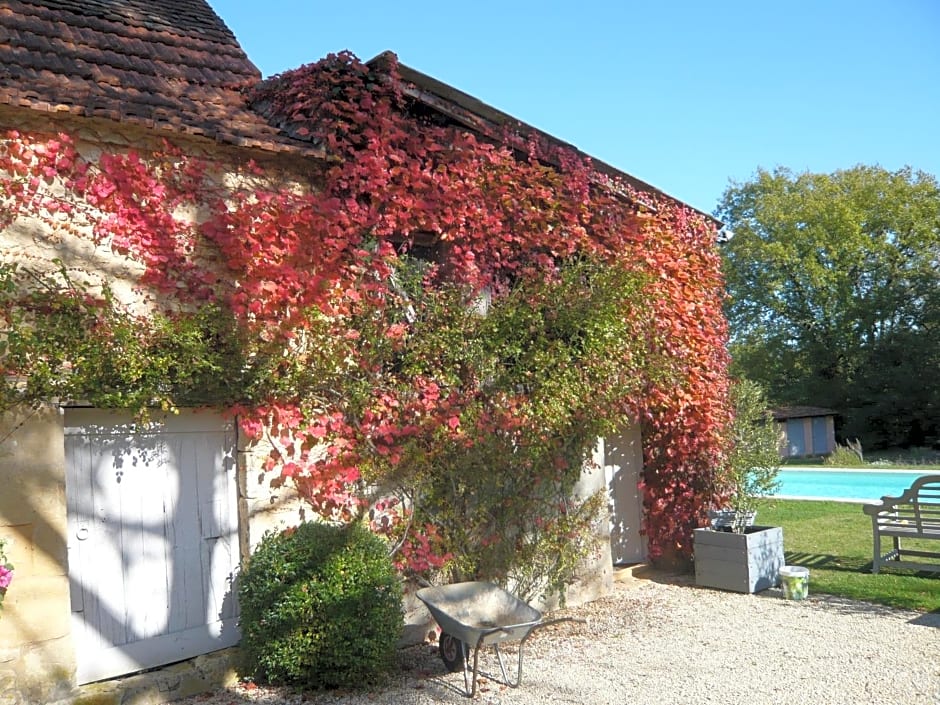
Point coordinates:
pixel 865 485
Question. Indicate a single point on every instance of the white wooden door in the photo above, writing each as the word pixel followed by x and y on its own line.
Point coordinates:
pixel 152 539
pixel 623 463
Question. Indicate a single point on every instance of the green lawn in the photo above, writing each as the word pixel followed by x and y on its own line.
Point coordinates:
pixel 834 540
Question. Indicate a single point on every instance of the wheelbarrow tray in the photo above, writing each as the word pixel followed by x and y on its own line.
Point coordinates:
pixel 479 613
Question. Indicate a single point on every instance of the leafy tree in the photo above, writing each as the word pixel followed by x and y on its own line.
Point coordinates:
pixel 834 283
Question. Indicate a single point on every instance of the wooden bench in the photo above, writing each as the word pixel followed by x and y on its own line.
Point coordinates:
pixel 913 515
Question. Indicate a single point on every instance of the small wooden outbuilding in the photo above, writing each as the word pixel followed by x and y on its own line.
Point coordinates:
pixel 805 430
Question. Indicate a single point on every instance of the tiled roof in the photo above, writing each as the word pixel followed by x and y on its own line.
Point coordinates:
pixel 795 412
pixel 166 64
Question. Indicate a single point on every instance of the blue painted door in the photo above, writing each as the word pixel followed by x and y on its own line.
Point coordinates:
pixel 796 441
pixel 820 437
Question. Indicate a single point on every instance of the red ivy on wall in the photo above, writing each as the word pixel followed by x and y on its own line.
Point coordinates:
pixel 301 264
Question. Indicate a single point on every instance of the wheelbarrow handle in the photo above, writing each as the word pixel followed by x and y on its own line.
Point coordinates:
pixel 493 630
pixel 557 620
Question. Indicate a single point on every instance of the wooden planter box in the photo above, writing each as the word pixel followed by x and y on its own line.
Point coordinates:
pixel 748 562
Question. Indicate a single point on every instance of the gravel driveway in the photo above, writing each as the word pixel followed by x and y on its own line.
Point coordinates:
pixel 664 640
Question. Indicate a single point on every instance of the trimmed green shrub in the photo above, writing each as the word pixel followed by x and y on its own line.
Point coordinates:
pixel 321 607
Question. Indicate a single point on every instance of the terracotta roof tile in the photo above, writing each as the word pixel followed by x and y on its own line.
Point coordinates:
pixel 172 64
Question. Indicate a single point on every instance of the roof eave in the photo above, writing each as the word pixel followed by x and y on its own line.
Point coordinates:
pixel 480 117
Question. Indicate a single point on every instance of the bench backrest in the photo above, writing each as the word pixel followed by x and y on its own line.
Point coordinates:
pixel 918 506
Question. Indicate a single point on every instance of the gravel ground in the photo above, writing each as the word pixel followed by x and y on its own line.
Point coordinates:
pixel 664 640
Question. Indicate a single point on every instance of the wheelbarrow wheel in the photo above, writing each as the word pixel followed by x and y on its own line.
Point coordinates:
pixel 452 652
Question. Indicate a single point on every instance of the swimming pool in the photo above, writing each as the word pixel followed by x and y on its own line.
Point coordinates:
pixel 845 485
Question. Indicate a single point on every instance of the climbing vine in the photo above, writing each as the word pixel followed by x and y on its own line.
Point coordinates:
pixel 429 334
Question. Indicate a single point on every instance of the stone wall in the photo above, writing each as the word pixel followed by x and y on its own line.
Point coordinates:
pixel 41 245
pixel 37 655
pixel 263 507
pixel 37 660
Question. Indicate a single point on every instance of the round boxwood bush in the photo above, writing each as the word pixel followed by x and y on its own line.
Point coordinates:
pixel 321 607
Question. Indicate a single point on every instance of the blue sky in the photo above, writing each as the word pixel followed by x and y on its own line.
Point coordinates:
pixel 686 96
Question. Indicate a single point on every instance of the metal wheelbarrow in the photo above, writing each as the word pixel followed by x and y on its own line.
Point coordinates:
pixel 475 614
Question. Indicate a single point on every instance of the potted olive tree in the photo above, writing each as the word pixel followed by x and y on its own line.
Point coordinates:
pixel 753 459
pixel 734 553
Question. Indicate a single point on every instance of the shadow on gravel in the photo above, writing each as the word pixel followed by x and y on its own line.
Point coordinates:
pixel 842 604
pixel 417 669
pixel 930 619
pixel 425 671
pixel 666 576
